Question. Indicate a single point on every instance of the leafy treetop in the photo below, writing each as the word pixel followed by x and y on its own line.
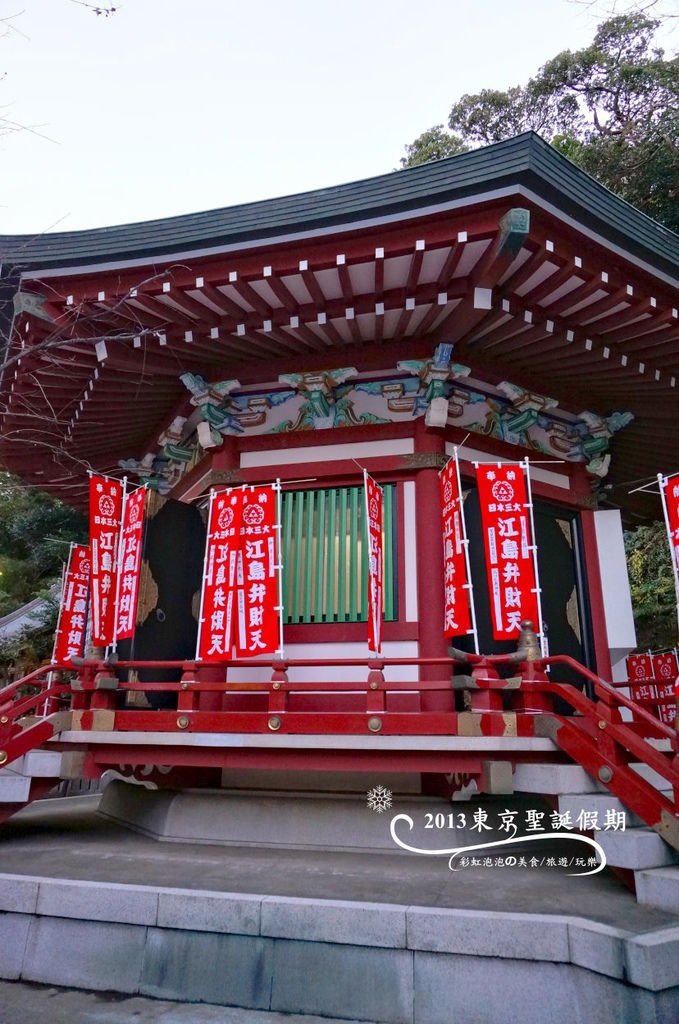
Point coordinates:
pixel 612 108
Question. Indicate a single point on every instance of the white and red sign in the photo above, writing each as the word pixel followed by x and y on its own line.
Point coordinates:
pixel 130 563
pixel 257 574
pixel 670 494
pixel 106 503
pixel 457 618
pixel 640 677
pixel 639 667
pixel 72 624
pixel 505 520
pixel 374 509
pixel 215 629
pixel 665 674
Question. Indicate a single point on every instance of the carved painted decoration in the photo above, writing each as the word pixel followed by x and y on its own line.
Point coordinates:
pixel 438 389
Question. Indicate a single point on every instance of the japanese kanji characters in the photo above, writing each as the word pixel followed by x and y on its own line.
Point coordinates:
pixel 72 624
pixel 457 619
pixel 652 678
pixel 374 507
pixel 505 519
pixel 215 630
pixel 240 581
pixel 106 502
pixel 130 563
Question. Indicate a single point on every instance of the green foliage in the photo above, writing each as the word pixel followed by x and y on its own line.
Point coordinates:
pixel 27 650
pixel 612 108
pixel 35 530
pixel 652 584
pixel 434 144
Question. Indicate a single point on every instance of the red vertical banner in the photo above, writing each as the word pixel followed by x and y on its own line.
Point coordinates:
pixel 505 521
pixel 257 574
pixel 640 677
pixel 665 674
pixel 72 624
pixel 215 628
pixel 106 503
pixel 374 513
pixel 457 618
pixel 669 487
pixel 130 563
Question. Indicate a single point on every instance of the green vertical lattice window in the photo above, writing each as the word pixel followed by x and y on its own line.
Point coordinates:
pixel 325 569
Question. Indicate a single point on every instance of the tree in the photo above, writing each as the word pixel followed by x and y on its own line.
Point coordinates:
pixel 612 108
pixel 652 586
pixel 35 531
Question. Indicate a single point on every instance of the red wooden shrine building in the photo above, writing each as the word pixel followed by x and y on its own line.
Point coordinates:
pixel 501 302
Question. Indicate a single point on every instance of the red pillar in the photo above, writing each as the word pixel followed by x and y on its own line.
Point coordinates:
pixel 430 449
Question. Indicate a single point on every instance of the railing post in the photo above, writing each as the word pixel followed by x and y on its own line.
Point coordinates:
pixel 375 695
pixel 278 694
pixel 188 699
pixel 531 670
pixel 485 698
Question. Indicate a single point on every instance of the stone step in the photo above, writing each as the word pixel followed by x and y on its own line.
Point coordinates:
pixel 553 779
pixel 637 849
pixel 649 775
pixel 659 888
pixel 42 764
pixel 599 804
pixel 14 789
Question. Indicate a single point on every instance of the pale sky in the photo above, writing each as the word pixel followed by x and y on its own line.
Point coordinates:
pixel 173 106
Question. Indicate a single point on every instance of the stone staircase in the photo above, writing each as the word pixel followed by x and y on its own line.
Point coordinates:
pixel 28 778
pixel 639 849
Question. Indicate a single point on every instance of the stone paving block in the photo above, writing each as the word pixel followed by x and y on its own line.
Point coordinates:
pixel 489 933
pixel 652 960
pixel 98 901
pixel 195 910
pixel 84 954
pixel 636 849
pixel 13 936
pixel 553 779
pixel 196 966
pixel 19 893
pixel 343 981
pixel 14 789
pixel 658 887
pixel 357 924
pixel 598 947
pixel 42 764
pixel 597 803
pixel 478 990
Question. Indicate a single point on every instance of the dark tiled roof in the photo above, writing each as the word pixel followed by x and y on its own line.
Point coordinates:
pixel 526 159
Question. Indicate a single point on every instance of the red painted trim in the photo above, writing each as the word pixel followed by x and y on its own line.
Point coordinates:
pixel 346 632
pixel 602 653
pixel 401 560
pixel 309 760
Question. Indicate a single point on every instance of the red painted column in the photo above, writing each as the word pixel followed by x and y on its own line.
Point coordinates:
pixel 430 600
pixel 602 653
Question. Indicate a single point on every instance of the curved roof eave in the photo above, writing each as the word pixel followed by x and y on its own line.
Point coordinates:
pixel 524 160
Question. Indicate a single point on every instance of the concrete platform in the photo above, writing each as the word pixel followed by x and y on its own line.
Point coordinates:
pixel 373 936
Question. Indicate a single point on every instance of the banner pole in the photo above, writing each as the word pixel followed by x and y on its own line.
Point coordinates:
pixel 119 559
pixel 65 569
pixel 538 590
pixel 202 589
pixel 465 544
pixel 279 564
pixel 662 483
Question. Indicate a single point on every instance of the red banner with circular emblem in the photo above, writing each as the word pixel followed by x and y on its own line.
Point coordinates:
pixel 505 520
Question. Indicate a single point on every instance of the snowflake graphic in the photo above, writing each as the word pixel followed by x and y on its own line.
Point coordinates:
pixel 379 799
